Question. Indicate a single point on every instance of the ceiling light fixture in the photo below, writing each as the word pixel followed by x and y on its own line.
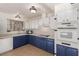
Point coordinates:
pixel 33 9
pixel 17 16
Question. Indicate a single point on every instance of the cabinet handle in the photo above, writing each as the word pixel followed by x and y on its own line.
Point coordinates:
pixel 66 43
pixel 77 38
pixel 55 30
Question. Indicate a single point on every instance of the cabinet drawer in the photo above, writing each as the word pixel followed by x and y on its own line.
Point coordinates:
pixel 67 43
pixel 66 51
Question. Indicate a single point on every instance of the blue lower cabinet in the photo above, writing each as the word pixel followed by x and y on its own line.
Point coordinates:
pixel 60 50
pixel 32 39
pixel 50 45
pixel 40 42
pixel 66 51
pixel 71 51
pixel 19 41
pixel 35 41
pixel 16 42
pixel 23 40
pixel 44 43
pixel 27 39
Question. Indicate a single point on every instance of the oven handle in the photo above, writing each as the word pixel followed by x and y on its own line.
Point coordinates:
pixel 78 38
pixel 66 44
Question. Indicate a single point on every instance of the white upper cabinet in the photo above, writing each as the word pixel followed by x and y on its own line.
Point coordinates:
pixel 52 23
pixel 65 12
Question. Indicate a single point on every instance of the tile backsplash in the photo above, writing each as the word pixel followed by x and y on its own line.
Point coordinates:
pixel 44 31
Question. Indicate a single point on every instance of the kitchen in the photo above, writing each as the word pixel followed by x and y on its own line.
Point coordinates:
pixel 39 29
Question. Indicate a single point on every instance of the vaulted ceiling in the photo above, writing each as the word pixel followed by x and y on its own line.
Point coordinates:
pixel 23 9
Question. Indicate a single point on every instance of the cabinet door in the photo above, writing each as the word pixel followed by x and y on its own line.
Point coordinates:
pixel 19 41
pixel 44 43
pixel 40 42
pixel 60 50
pixel 50 45
pixel 37 42
pixel 22 40
pixel 71 51
pixel 32 39
pixel 27 39
pixel 65 12
pixel 16 42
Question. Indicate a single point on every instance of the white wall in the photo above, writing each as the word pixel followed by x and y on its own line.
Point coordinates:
pixel 35 24
pixel 3 22
pixel 38 26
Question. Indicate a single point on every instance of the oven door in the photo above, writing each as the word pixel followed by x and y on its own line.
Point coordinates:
pixel 68 35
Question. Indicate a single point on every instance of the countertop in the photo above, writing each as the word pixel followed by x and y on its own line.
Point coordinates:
pixel 9 35
pixel 51 37
pixel 13 35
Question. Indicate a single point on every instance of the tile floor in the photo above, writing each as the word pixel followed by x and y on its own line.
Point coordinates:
pixel 27 50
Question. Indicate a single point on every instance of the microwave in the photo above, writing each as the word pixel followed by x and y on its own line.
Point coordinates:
pixel 68 35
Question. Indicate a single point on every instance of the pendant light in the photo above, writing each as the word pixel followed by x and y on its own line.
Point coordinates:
pixel 33 9
pixel 17 16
